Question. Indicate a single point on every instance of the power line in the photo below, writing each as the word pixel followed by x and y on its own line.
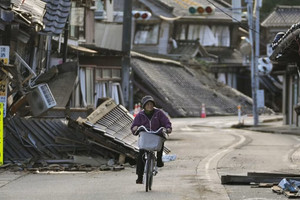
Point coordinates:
pixel 241 25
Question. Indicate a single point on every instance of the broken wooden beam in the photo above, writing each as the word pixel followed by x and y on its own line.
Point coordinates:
pixel 247 180
pixel 264 174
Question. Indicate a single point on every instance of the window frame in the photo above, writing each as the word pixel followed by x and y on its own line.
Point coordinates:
pixel 177 34
pixel 147 24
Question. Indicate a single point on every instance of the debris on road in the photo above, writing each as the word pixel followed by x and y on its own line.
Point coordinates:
pixel 288 187
pixel 82 144
pixel 287 184
pixel 256 178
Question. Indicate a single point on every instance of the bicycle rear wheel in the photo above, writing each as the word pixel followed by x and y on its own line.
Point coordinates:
pixel 149 172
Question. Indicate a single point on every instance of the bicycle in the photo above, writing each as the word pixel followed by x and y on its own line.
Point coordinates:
pixel 150 141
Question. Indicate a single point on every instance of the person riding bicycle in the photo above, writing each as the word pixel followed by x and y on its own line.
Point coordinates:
pixel 152 118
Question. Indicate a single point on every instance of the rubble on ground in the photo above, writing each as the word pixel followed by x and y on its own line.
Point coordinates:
pixel 280 183
pixel 84 144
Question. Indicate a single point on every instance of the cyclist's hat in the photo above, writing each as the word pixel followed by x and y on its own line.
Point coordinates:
pixel 147 98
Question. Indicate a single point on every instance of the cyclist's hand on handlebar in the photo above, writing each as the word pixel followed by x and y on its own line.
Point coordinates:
pixel 134 130
pixel 168 130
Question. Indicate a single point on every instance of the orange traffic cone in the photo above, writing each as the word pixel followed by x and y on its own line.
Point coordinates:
pixel 203 113
pixel 135 110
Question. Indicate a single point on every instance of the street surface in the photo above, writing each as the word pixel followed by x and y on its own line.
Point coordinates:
pixel 205 149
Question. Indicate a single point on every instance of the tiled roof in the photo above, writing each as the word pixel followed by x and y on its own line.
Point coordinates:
pixel 181 93
pixel 286 49
pixel 283 16
pixel 50 14
pixel 190 49
pixel 57 13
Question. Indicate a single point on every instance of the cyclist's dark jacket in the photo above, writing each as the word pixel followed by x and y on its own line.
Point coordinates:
pixel 159 119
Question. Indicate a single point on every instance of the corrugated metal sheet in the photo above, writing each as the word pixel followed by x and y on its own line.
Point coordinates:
pixel 181 94
pixel 40 140
pixel 35 8
pixel 283 16
pixel 116 124
pixel 36 139
pixel 113 121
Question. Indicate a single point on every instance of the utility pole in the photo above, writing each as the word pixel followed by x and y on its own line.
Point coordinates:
pixel 258 4
pixel 126 47
pixel 254 58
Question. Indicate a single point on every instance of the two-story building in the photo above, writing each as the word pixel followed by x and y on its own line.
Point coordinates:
pixel 285 58
pixel 199 34
pixel 274 26
pixel 212 37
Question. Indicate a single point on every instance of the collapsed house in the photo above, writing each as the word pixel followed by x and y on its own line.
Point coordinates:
pixel 71 144
pixel 46 98
pixel 181 91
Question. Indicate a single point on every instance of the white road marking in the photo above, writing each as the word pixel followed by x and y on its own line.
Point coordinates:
pixel 207 171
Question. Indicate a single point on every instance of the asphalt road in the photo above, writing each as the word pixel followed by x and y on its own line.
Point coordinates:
pixel 205 149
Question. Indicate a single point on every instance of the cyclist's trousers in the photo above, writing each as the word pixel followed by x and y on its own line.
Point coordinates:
pixel 140 163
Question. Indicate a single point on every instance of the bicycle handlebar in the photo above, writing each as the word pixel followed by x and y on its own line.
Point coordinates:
pixel 158 131
pixel 143 128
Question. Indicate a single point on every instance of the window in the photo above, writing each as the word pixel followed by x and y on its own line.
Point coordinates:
pixel 116 73
pixel 113 73
pixel 76 24
pixel 146 34
pixel 106 73
pixel 208 35
pixel 96 82
pixel 89 85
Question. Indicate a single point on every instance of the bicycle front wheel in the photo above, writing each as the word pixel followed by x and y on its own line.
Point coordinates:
pixel 149 172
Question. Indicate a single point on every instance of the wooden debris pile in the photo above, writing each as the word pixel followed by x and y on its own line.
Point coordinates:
pixel 41 144
pixel 286 184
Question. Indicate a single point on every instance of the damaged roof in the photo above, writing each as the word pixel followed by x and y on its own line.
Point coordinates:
pixel 40 139
pixel 105 132
pixel 61 80
pixel 51 15
pixel 286 48
pixel 180 93
pixel 57 13
pixel 32 11
pixel 190 49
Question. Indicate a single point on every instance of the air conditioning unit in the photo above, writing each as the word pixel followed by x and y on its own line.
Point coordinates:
pixel 40 99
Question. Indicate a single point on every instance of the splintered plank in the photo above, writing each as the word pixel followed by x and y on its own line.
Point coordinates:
pixel 263 185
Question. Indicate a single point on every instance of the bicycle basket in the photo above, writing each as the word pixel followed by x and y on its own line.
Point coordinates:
pixel 150 142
